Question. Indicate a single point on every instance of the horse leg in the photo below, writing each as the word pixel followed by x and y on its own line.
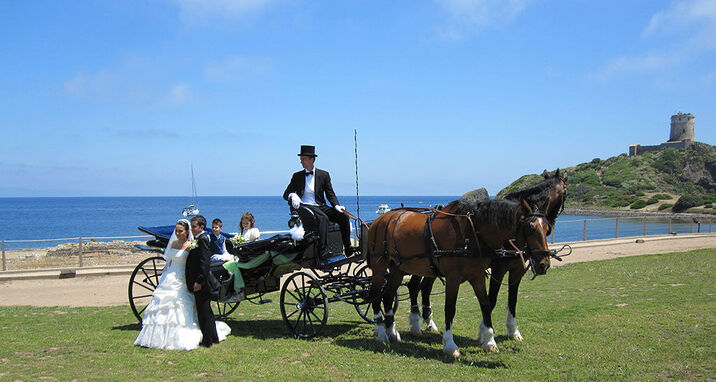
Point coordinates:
pixel 487 333
pixel 498 273
pixel 414 318
pixel 451 289
pixel 378 269
pixel 511 321
pixel 395 277
pixel 426 288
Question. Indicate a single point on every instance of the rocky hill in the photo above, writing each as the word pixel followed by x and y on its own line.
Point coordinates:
pixel 669 180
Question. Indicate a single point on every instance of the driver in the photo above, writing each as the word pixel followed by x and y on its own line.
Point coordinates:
pixel 307 192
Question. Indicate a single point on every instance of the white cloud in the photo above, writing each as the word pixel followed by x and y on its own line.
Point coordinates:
pixel 689 26
pixel 205 10
pixel 132 82
pixel 473 16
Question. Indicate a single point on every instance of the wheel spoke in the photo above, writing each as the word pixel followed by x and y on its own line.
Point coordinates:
pixel 143 286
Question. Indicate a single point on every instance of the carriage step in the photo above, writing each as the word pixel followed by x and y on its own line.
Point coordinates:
pixel 266 301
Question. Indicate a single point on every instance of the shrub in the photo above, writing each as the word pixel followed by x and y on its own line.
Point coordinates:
pixel 708 205
pixel 662 196
pixel 639 193
pixel 652 200
pixel 639 204
pixel 665 206
pixel 687 201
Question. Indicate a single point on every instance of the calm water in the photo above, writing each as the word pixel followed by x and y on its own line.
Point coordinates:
pixel 50 218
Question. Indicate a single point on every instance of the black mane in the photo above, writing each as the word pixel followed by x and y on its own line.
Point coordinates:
pixel 499 212
pixel 538 193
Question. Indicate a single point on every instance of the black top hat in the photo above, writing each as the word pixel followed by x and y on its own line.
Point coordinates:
pixel 309 151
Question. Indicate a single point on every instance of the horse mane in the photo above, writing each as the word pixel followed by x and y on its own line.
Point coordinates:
pixel 538 193
pixel 499 212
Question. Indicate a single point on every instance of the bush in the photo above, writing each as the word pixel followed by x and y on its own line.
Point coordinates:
pixel 687 201
pixel 662 196
pixel 665 206
pixel 639 204
pixel 708 205
pixel 640 193
pixel 652 200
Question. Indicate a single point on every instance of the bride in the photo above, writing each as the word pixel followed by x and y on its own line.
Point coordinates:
pixel 170 320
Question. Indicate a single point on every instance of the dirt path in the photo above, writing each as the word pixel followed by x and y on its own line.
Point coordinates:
pixel 112 290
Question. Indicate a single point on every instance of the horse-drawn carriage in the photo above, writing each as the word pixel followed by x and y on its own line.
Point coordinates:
pixel 308 281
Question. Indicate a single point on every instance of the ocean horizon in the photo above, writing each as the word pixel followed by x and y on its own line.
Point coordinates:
pixel 43 218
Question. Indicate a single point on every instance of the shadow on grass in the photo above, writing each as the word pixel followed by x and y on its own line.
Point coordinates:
pixel 422 347
pixel 271 329
pixel 133 327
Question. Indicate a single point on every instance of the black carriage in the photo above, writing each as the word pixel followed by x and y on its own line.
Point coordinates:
pixel 308 282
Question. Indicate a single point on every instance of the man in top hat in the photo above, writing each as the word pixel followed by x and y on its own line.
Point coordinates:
pixel 308 190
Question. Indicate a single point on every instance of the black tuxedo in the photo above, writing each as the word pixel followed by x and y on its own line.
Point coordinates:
pixel 197 271
pixel 316 217
pixel 322 185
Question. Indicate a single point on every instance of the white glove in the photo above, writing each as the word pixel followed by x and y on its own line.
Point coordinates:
pixel 340 209
pixel 295 200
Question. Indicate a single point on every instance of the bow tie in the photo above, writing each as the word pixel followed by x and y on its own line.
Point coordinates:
pixel 308 173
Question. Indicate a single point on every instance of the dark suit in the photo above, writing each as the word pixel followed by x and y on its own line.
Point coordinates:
pixel 318 220
pixel 197 270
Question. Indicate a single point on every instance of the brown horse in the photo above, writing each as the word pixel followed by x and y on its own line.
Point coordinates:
pixel 548 195
pixel 457 242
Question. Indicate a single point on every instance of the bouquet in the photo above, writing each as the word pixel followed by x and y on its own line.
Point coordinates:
pixel 237 240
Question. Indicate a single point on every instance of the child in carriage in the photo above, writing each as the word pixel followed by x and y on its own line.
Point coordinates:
pixel 219 254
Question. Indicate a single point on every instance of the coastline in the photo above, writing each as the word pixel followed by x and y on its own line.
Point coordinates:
pixel 624 213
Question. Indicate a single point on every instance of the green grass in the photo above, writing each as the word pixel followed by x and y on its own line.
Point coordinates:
pixel 636 318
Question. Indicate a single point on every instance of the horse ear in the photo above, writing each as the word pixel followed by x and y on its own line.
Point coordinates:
pixel 526 207
pixel 545 173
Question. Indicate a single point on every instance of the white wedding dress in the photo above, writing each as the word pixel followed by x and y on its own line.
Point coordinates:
pixel 170 320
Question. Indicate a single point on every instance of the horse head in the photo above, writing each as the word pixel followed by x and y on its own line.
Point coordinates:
pixel 532 237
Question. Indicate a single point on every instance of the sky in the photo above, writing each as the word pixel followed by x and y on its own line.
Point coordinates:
pixel 121 98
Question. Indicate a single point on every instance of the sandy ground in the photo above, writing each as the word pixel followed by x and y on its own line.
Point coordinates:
pixel 109 290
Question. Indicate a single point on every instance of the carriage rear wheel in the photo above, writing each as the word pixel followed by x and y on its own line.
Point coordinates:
pixel 143 282
pixel 304 305
pixel 360 298
pixel 224 309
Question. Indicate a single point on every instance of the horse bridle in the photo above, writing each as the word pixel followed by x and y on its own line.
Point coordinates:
pixel 530 262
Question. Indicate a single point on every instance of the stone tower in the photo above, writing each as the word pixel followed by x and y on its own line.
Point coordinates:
pixel 682 128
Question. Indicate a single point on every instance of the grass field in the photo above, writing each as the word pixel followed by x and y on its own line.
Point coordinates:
pixel 636 318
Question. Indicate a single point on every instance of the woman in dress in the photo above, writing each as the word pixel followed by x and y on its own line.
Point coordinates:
pixel 247 229
pixel 170 320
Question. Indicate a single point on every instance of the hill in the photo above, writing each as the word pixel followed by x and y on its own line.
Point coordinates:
pixel 669 180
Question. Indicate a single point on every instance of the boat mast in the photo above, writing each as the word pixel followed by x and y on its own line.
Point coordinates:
pixel 193 186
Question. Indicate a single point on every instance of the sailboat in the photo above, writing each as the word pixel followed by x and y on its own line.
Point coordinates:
pixel 192 209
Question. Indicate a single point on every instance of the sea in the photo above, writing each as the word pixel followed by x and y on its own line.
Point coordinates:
pixel 49 221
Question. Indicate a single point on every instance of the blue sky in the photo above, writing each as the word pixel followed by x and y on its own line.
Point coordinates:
pixel 119 98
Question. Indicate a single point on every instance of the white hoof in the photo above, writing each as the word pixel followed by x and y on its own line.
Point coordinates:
pixel 486 338
pixel 415 329
pixel 430 325
pixel 449 346
pixel 380 334
pixel 511 325
pixel 517 336
pixel 393 334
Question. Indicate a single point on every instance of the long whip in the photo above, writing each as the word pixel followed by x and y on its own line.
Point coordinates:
pixel 355 146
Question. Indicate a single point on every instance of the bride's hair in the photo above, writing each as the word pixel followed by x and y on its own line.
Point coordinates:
pixel 184 223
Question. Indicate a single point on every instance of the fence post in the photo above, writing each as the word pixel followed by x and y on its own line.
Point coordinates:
pixel 710 226
pixel 669 229
pixel 80 246
pixel 585 229
pixel 644 226
pixel 4 264
pixel 616 235
pixel 553 229
pixel 691 227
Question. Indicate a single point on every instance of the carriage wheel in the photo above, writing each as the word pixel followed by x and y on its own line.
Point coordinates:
pixel 304 305
pixel 224 309
pixel 142 282
pixel 360 298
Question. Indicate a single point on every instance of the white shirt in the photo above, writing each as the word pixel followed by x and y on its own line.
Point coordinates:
pixel 309 191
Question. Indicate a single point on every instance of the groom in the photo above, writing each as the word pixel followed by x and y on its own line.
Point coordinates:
pixel 200 281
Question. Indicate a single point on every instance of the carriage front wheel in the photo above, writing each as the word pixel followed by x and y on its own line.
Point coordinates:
pixel 361 300
pixel 304 305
